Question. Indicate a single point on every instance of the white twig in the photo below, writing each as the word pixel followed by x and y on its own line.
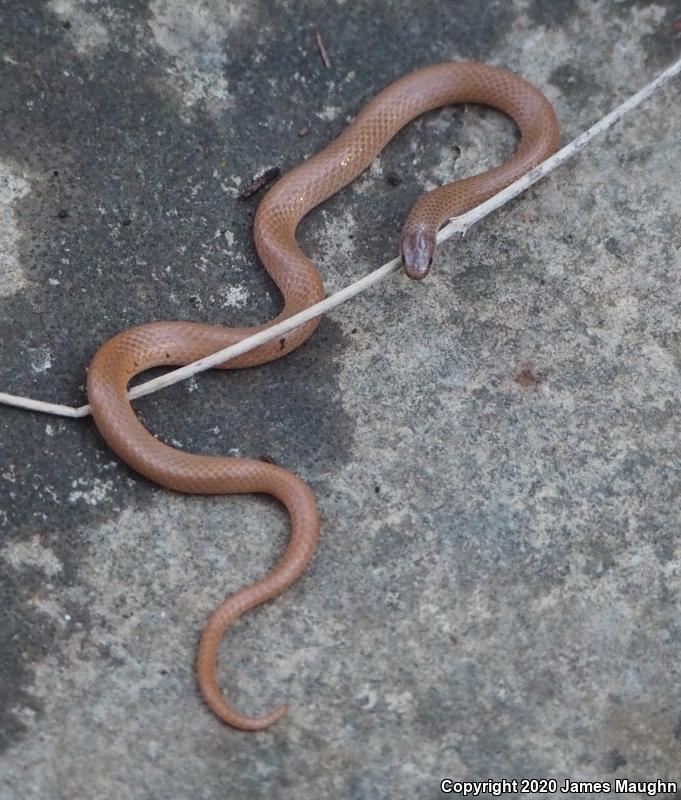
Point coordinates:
pixel 458 225
pixel 40 405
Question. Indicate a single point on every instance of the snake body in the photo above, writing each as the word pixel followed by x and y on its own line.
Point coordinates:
pixel 287 202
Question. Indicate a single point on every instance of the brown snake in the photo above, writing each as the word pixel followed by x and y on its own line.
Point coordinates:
pixel 177 343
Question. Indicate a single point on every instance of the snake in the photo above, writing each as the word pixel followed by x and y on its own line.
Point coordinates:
pixel 175 343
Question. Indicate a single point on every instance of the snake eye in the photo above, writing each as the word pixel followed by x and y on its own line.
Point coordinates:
pixel 417 248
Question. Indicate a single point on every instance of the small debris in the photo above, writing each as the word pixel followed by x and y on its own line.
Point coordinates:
pixel 66 25
pixel 303 132
pixel 528 378
pixel 268 459
pixel 677 26
pixel 262 180
pixel 393 179
pixel 62 213
pixel 322 50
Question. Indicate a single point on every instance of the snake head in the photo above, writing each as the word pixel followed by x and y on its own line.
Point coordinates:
pixel 417 248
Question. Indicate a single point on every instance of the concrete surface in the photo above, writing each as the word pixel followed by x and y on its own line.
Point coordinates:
pixel 495 452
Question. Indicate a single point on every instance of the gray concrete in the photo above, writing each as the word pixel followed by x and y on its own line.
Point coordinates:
pixel 495 451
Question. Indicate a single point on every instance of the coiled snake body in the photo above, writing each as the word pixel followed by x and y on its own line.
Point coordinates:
pixel 177 343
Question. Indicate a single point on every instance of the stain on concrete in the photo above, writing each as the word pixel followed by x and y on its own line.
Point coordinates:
pixel 12 187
